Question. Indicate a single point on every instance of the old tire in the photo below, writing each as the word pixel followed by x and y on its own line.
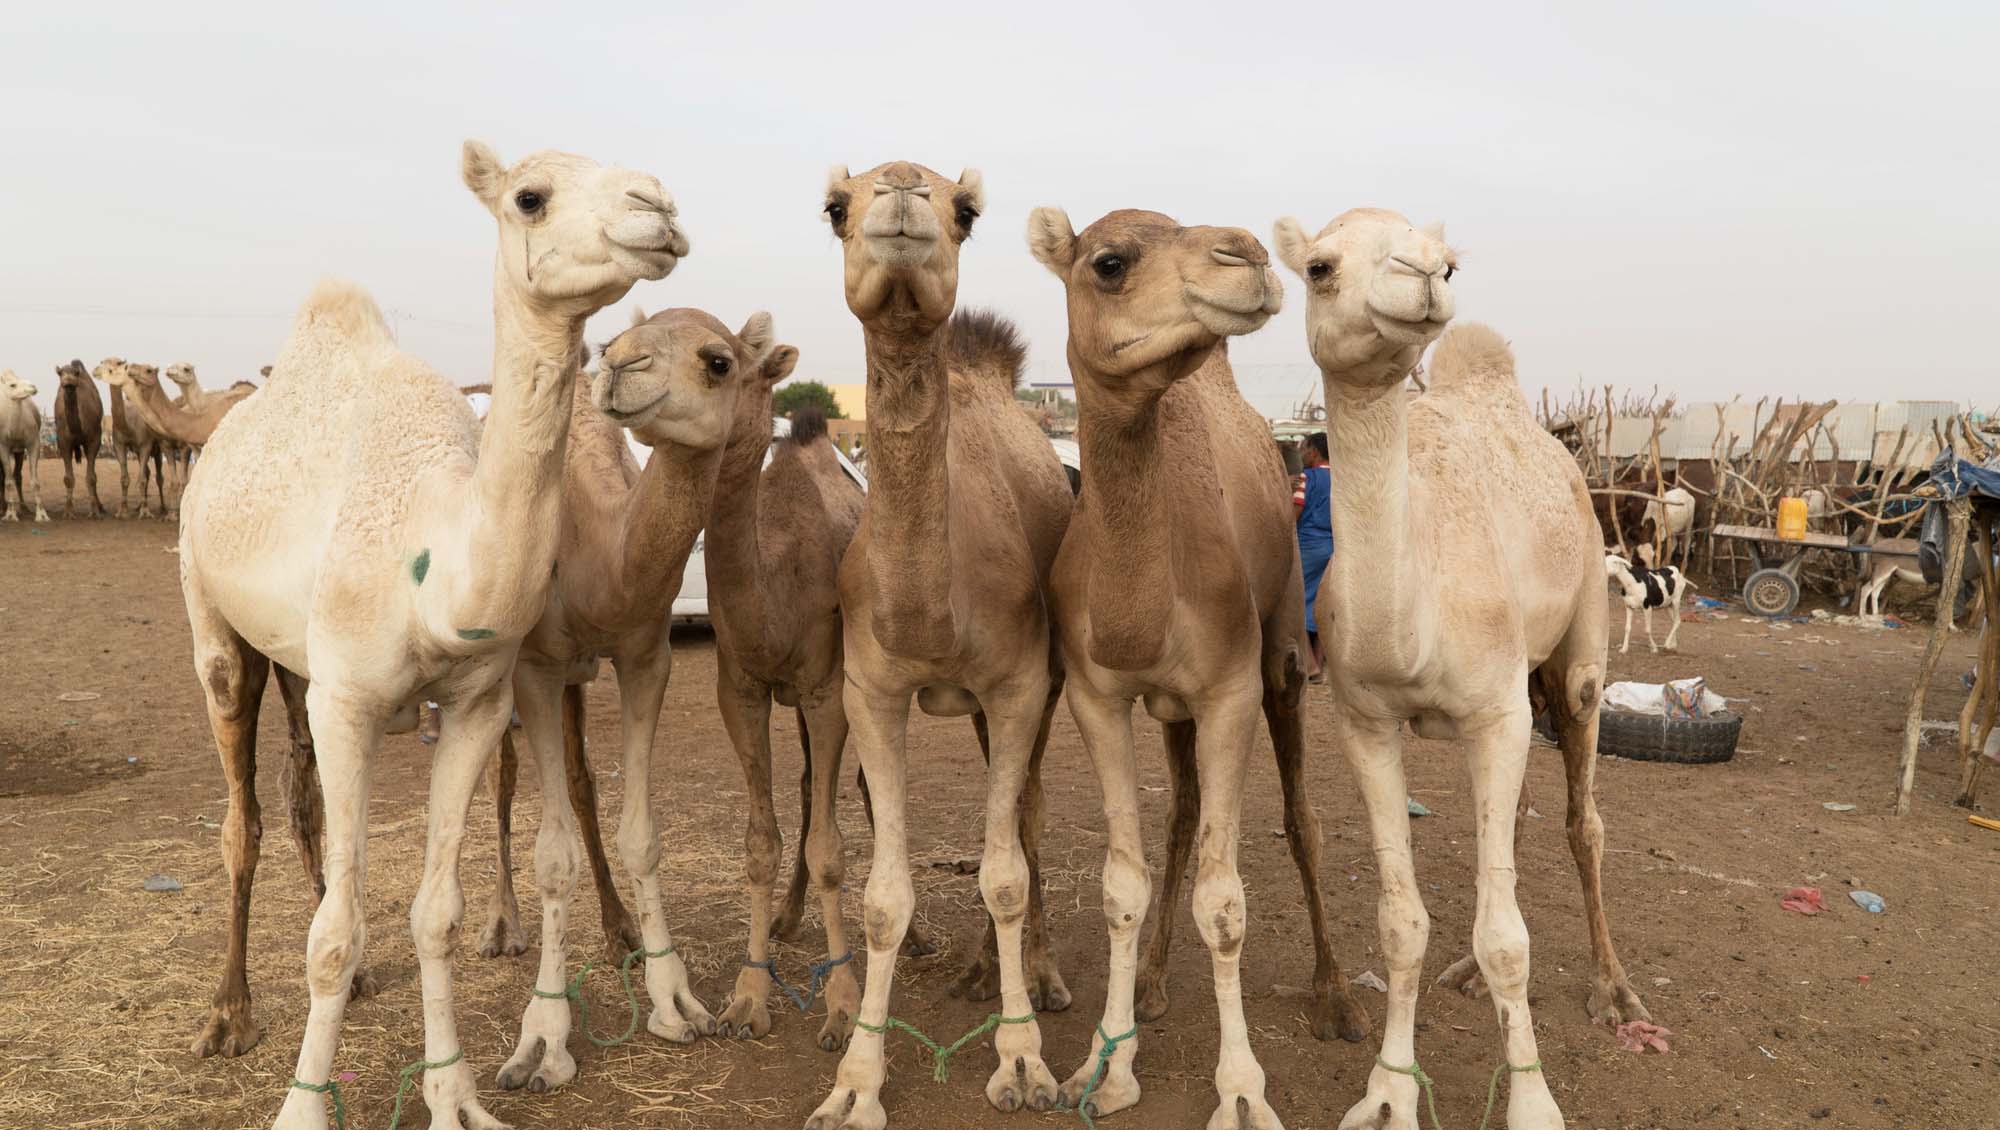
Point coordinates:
pixel 1771 592
pixel 1683 741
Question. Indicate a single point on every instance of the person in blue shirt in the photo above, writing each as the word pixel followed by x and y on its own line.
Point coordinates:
pixel 1312 502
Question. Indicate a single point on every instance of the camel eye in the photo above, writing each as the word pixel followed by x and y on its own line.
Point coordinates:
pixel 528 201
pixel 719 366
pixel 1450 271
pixel 1319 272
pixel 967 214
pixel 837 212
pixel 1110 268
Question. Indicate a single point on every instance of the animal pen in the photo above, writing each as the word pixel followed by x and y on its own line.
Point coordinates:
pixel 1867 474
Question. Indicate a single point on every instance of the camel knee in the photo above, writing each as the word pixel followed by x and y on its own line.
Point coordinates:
pixel 242 834
pixel 1004 882
pixel 556 862
pixel 886 908
pixel 761 847
pixel 1406 933
pixel 435 918
pixel 224 677
pixel 1219 909
pixel 1586 830
pixel 638 846
pixel 824 857
pixel 1501 945
pixel 333 948
pixel 1128 888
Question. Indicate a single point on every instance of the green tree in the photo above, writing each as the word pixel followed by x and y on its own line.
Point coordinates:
pixel 806 394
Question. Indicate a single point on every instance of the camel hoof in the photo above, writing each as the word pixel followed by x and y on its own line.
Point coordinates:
pixel 1615 1003
pixel 1152 1003
pixel 1337 1014
pixel 228 1033
pixel 915 944
pixel 364 985
pixel 979 982
pixel 1046 990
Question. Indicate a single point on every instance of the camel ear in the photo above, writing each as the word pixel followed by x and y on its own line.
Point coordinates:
pixel 482 170
pixel 1052 240
pixel 1292 244
pixel 974 182
pixel 638 316
pixel 836 174
pixel 1435 229
pixel 756 336
pixel 779 363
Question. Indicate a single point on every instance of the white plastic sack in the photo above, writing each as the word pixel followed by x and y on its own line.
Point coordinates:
pixel 1649 698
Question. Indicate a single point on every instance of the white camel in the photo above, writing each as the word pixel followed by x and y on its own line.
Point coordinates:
pixel 352 525
pixel 21 437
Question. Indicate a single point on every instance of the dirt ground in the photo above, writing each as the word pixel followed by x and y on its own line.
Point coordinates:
pixel 1779 1020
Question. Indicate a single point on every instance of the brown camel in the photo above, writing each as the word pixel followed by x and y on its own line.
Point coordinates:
pixel 190 425
pixel 79 433
pixel 133 437
pixel 1179 585
pixel 943 597
pixel 774 544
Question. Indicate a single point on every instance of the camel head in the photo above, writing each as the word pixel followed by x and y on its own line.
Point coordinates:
pixel 1378 291
pixel 1148 295
pixel 144 376
pixel 900 226
pixel 14 388
pixel 574 235
pixel 676 377
pixel 72 373
pixel 111 371
pixel 182 374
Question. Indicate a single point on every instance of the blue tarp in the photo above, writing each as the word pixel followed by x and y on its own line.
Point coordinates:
pixel 1956 478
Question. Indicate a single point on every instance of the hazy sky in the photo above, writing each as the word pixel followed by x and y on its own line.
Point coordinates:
pixel 1711 197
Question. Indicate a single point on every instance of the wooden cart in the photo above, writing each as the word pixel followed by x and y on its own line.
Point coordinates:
pixel 1772 588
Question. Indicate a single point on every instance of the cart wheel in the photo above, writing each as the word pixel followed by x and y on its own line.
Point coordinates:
pixel 1770 592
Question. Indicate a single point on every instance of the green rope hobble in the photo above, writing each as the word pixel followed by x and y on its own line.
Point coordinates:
pixel 403 1082
pixel 1104 1051
pixel 941 1054
pixel 574 992
pixel 1430 1095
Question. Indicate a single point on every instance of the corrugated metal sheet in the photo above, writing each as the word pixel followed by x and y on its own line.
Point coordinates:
pixel 1855 431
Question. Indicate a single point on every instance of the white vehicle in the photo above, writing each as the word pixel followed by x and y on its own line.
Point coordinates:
pixel 691 606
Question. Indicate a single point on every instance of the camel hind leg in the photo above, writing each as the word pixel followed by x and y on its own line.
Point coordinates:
pixel 232 677
pixel 1334 1009
pixel 502 934
pixel 1179 738
pixel 621 935
pixel 305 810
pixel 792 910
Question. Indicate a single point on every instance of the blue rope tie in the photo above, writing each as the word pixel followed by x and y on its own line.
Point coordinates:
pixel 821 971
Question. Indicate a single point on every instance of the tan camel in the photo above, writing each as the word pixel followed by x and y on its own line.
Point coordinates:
pixel 190 425
pixel 408 562
pixel 942 596
pixel 625 536
pixel 133 437
pixel 20 436
pixel 79 433
pixel 1468 573
pixel 1179 584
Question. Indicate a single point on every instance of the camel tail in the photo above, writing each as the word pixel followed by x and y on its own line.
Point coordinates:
pixel 338 311
pixel 986 346
pixel 1472 355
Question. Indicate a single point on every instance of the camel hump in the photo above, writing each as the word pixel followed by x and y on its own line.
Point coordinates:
pixel 342 311
pixel 984 345
pixel 1472 355
pixel 808 424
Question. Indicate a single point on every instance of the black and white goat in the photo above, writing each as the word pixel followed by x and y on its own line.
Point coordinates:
pixel 1647 589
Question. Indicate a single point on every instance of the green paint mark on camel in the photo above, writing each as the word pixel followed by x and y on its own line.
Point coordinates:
pixel 421 566
pixel 475 633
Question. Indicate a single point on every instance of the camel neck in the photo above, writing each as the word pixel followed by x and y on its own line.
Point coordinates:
pixel 1126 518
pixel 909 491
pixel 1375 515
pixel 731 553
pixel 516 494
pixel 661 518
pixel 168 418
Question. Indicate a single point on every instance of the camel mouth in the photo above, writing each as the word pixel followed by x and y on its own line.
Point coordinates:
pixel 1227 314
pixel 901 250
pixel 1404 329
pixel 625 419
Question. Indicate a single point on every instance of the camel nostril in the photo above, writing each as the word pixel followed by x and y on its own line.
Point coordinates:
pixel 649 199
pixel 1228 259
